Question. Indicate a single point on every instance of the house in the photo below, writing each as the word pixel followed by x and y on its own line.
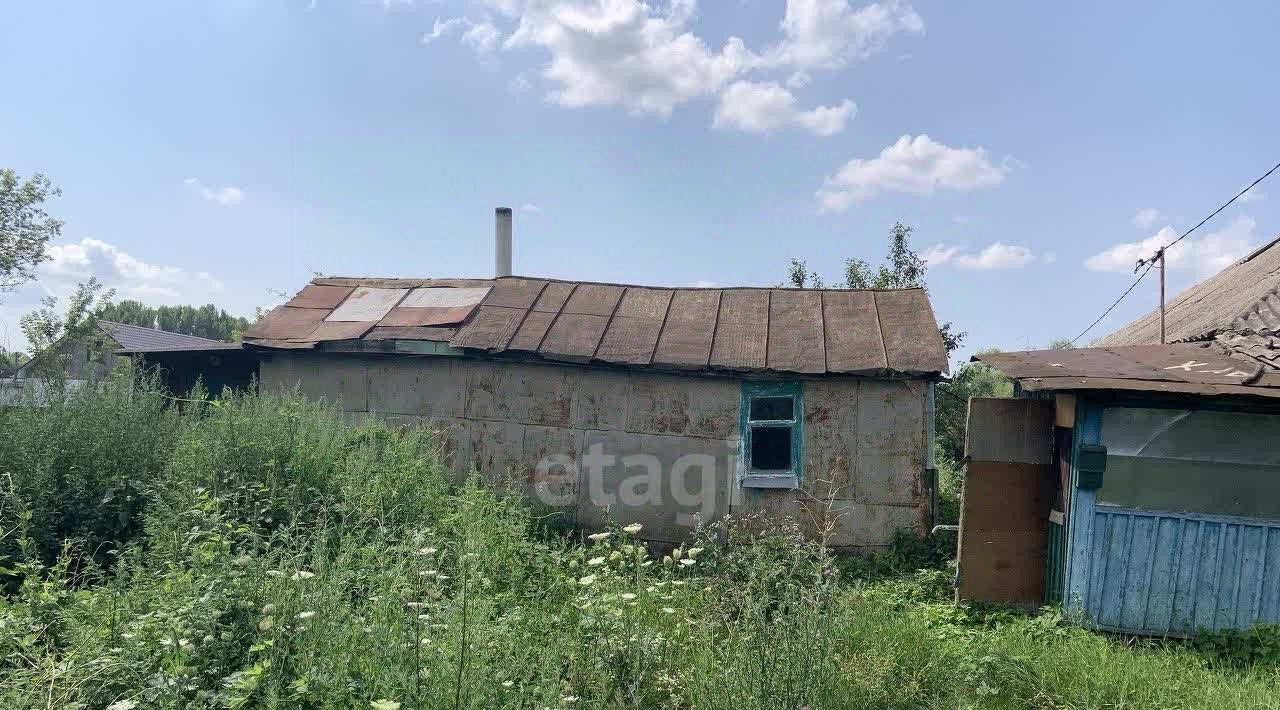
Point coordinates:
pixel 1137 483
pixel 92 358
pixel 659 406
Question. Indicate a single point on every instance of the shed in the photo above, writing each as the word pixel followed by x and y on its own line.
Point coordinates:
pixel 1137 485
pixel 93 358
pixel 662 406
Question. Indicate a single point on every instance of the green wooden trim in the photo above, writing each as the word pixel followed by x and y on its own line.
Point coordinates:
pixel 773 479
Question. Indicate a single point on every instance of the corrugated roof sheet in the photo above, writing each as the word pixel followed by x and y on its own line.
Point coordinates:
pixel 1240 298
pixel 1185 368
pixel 133 338
pixel 806 331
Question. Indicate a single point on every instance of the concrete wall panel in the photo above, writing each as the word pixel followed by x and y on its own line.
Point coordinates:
pixel 670 404
pixel 602 400
pixel 830 438
pixel 550 466
pixel 333 378
pixel 422 386
pixel 666 483
pixel 864 525
pixel 890 443
pixel 529 394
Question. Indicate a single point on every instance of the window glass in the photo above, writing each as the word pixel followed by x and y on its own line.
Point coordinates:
pixel 772 409
pixel 1207 462
pixel 771 448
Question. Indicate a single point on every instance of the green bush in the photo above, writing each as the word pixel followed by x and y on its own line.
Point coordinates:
pixel 274 556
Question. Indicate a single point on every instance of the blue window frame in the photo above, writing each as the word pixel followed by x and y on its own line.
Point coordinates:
pixel 772 434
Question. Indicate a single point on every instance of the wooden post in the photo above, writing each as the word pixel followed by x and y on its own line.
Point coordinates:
pixel 1161 255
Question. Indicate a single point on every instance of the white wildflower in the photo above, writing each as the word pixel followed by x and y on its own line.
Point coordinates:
pixel 274 573
pixel 597 537
pixel 507 683
pixel 686 562
pixel 122 705
pixel 633 528
pixel 677 553
pixel 588 580
pixel 302 574
pixel 306 615
pixel 668 610
pixel 694 552
pixel 627 596
pixel 428 551
pixel 595 561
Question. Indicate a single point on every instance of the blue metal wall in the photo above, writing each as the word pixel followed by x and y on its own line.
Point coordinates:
pixel 1161 573
pixel 1171 574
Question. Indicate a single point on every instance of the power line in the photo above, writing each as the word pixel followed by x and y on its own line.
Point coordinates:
pixel 1112 307
pixel 1151 261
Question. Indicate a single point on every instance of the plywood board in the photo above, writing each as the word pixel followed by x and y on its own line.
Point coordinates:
pixel 1008 491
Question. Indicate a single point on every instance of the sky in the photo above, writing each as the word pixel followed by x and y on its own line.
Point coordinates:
pixel 226 152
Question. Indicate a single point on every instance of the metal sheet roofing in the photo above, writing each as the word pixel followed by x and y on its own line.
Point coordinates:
pixel 1184 368
pixel 805 331
pixel 1240 298
pixel 133 338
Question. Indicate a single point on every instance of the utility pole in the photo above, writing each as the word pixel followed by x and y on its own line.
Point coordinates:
pixel 1160 254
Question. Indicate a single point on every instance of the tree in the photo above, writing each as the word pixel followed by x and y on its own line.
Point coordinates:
pixel 207 321
pixel 25 228
pixel 53 333
pixel 1061 344
pixel 903 268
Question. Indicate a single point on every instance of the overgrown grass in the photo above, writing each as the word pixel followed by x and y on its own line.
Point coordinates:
pixel 258 552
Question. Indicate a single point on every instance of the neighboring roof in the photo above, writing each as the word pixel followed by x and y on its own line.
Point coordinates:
pixel 133 338
pixel 1184 368
pixel 806 331
pixel 1241 298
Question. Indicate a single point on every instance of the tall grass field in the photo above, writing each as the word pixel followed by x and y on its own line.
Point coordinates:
pixel 259 552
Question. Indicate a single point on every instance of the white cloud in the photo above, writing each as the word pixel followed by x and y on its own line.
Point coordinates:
pixel 704 284
pixel 767 107
pixel 939 254
pixel 531 208
pixel 622 52
pixel 482 36
pixel 1203 256
pixel 645 57
pixel 225 196
pixel 996 255
pixel 912 164
pixel 829 33
pixel 132 277
pixel 1146 217
pixel 1254 195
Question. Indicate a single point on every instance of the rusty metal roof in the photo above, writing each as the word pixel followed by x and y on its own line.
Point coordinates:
pixel 1183 368
pixel 809 331
pixel 1241 298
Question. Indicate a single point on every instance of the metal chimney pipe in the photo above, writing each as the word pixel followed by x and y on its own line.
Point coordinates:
pixel 502 242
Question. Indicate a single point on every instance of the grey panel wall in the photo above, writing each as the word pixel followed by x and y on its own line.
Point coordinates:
pixel 658 449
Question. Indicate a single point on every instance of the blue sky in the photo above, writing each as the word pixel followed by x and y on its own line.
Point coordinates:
pixel 224 151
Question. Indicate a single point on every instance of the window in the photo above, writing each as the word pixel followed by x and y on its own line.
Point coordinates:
pixel 1192 461
pixel 771 433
